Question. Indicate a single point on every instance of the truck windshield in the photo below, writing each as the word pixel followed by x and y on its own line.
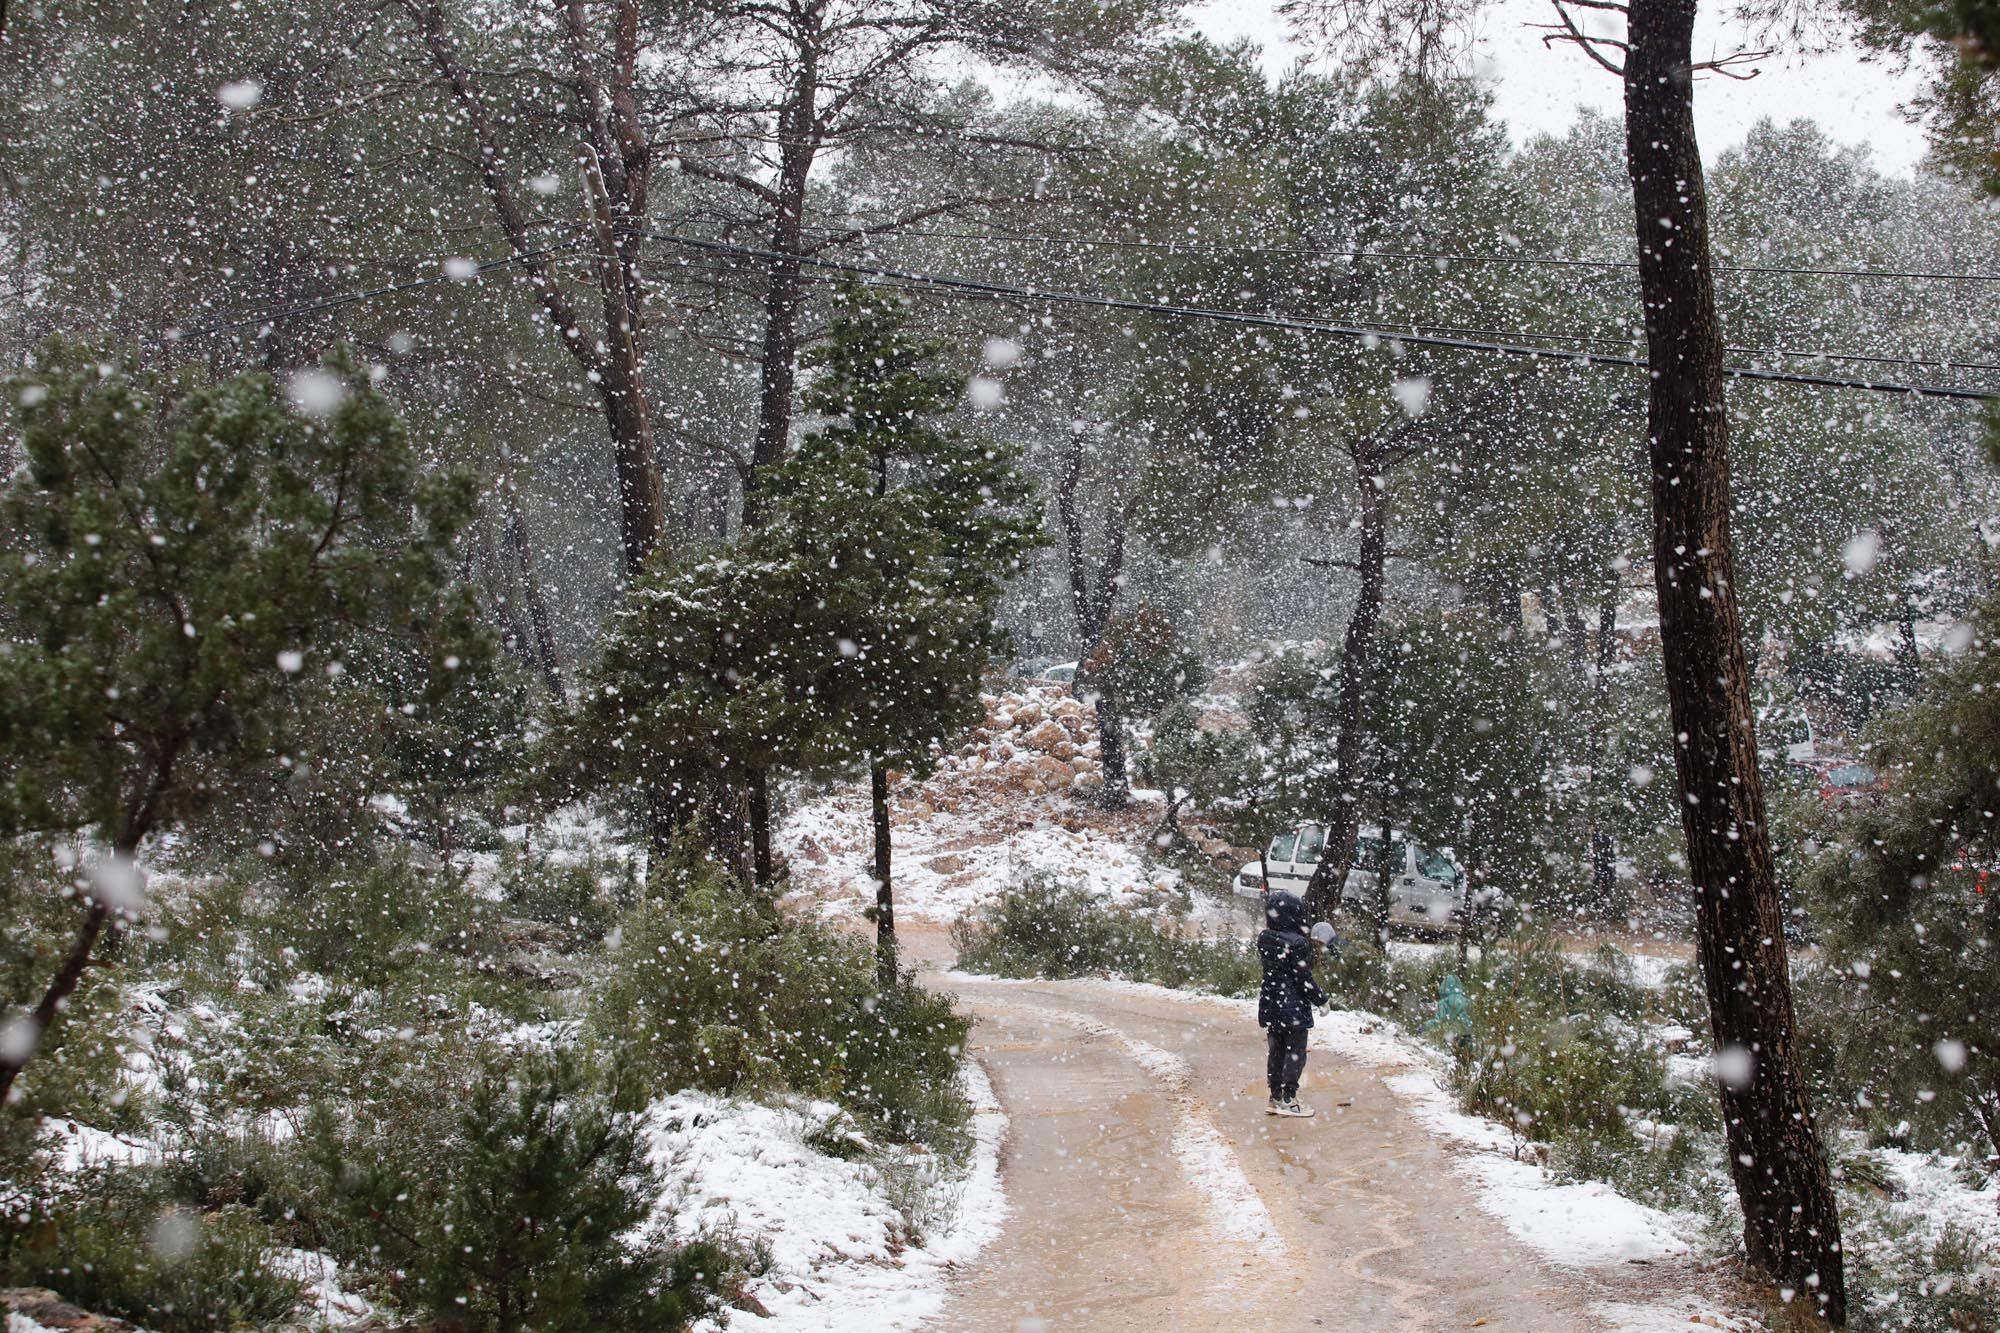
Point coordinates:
pixel 1435 865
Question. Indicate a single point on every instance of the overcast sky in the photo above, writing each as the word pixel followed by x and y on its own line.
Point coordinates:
pixel 1538 89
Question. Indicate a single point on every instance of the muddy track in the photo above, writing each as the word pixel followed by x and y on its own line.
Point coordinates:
pixel 1148 1189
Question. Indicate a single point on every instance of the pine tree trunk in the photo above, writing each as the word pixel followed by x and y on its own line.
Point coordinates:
pixel 543 639
pixel 1111 752
pixel 1385 868
pixel 1344 819
pixel 784 293
pixel 885 898
pixel 1603 850
pixel 1791 1226
pixel 68 975
pixel 761 863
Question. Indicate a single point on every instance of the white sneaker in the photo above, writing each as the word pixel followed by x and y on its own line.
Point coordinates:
pixel 1292 1108
pixel 1274 1107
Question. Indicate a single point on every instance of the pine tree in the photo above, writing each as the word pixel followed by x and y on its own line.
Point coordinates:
pixel 852 625
pixel 191 573
pixel 950 516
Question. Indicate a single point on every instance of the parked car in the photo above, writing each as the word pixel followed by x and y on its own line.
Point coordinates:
pixel 1062 673
pixel 1426 888
pixel 1846 783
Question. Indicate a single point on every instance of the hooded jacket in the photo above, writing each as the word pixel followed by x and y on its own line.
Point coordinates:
pixel 1287 997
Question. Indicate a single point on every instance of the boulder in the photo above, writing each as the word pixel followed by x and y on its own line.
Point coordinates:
pixel 1048 735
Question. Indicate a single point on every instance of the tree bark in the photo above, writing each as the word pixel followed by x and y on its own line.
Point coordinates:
pixel 799 133
pixel 1111 751
pixel 542 637
pixel 762 865
pixel 1091 602
pixel 1603 849
pixel 1344 819
pixel 616 162
pixel 1385 868
pixel 1791 1227
pixel 60 988
pixel 885 898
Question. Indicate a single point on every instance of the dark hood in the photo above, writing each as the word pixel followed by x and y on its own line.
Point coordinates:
pixel 1284 911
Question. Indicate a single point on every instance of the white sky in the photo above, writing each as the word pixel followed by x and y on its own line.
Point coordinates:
pixel 1538 89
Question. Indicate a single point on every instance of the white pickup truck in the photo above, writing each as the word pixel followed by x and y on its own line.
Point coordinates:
pixel 1425 887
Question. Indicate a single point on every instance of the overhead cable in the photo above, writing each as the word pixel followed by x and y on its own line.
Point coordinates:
pixel 390 289
pixel 1415 256
pixel 1253 319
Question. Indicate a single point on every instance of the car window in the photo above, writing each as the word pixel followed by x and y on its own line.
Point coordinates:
pixel 1851 775
pixel 1312 840
pixel 1435 865
pixel 1281 847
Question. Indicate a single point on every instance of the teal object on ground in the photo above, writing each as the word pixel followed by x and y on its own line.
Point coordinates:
pixel 1452 1010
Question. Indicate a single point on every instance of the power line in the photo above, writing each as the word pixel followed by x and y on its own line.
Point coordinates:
pixel 390 289
pixel 1860 357
pixel 1035 296
pixel 1413 256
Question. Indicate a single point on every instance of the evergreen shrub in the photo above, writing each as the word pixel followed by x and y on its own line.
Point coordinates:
pixel 1045 927
pixel 712 988
pixel 535 1210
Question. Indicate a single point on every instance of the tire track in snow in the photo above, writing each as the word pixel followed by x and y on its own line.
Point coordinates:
pixel 1236 1211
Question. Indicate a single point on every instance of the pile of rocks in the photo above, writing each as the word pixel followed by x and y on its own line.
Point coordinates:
pixel 1042 740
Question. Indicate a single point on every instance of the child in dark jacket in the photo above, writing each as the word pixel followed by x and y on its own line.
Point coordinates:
pixel 1286 999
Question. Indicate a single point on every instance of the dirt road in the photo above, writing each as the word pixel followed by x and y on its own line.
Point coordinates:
pixel 1149 1190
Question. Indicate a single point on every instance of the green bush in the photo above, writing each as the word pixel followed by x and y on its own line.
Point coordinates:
pixel 583 896
pixel 715 990
pixel 531 1213
pixel 1047 928
pixel 120 1245
pixel 77 1069
pixel 365 922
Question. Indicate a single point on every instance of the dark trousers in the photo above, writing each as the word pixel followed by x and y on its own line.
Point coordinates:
pixel 1287 1061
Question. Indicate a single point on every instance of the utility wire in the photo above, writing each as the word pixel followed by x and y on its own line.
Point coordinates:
pixel 1411 256
pixel 1035 296
pixel 1863 357
pixel 389 289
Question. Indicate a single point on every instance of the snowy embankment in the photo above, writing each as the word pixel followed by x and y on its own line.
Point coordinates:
pixel 842 1255
pixel 1000 808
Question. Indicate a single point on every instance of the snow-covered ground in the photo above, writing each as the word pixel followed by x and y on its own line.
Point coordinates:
pixel 1001 808
pixel 842 1252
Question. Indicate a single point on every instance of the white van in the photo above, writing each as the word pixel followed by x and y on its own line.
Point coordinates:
pixel 1425 887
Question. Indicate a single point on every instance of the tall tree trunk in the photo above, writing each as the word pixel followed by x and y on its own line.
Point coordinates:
pixel 761 864
pixel 1093 594
pixel 885 898
pixel 616 162
pixel 799 130
pixel 1111 752
pixel 1385 868
pixel 1791 1228
pixel 542 640
pixel 1344 820
pixel 1603 849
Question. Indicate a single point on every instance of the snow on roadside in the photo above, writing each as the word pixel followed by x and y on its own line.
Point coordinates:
pixel 839 1260
pixel 1006 805
pixel 1582 1225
